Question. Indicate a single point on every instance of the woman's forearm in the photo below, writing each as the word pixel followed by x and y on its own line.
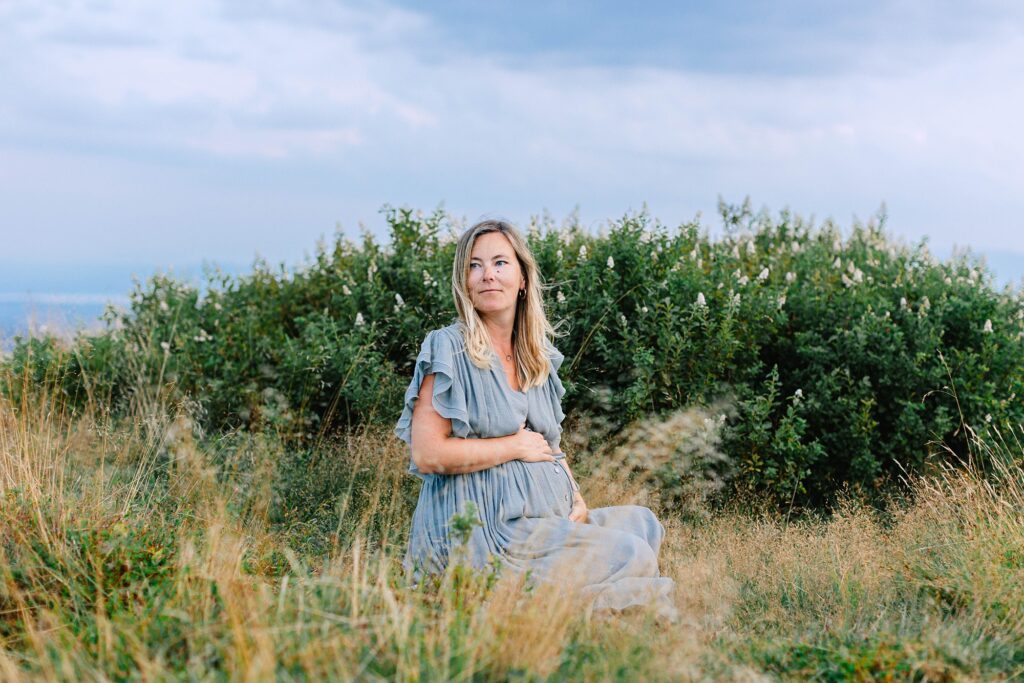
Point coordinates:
pixel 456 455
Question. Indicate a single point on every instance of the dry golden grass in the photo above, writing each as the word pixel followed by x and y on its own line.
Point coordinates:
pixel 137 551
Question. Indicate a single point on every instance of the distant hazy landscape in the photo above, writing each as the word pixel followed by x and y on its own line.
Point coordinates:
pixel 65 298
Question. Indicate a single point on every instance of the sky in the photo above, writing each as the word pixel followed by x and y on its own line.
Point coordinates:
pixel 141 135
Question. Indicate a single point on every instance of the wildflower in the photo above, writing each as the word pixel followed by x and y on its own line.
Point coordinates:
pixel 751 249
pixel 925 303
pixel 611 263
pixel 847 281
pixel 622 319
pixel 720 285
pixel 988 327
pixel 799 393
pixel 643 309
pixel 948 280
pixel 988 417
pixel 371 270
pixel 428 280
pixel 583 252
pixel 399 302
pixel 736 273
pixel 217 306
pixel 701 302
pixel 837 244
pixel 346 291
pixel 795 246
pixel 359 320
pixel 700 263
pixel 163 305
pixel 782 301
pixel 790 277
pixel 558 254
pixel 735 251
pixel 838 263
pixel 560 297
pixel 166 346
pixel 744 280
pixel 858 275
pixel 736 299
pixel 693 254
pixel 763 275
pixel 903 302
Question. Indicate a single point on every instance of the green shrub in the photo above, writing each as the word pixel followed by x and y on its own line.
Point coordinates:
pixel 840 355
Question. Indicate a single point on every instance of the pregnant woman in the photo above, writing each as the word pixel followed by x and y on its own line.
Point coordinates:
pixel 483 420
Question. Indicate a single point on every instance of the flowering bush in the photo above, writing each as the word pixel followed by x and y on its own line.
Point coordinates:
pixel 843 358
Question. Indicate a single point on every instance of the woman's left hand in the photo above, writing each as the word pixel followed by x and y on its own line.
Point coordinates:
pixel 579 509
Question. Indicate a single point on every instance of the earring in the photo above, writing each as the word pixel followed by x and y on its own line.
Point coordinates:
pixel 522 293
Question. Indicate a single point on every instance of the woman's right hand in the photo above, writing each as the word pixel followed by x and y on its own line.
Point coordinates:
pixel 530 446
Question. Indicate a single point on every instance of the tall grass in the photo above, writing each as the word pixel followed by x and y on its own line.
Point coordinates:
pixel 141 549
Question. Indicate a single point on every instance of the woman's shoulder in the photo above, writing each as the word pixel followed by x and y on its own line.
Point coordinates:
pixel 447 340
pixel 451 333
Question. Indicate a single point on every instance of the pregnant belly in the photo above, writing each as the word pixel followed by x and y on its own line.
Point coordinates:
pixel 543 488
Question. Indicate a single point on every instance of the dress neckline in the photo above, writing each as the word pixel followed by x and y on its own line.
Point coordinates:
pixel 500 370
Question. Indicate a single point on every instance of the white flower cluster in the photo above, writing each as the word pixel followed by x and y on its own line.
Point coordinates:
pixel 560 297
pixel 399 302
pixel 359 320
pixel 202 337
pixel 428 279
pixel 611 263
pixel 856 275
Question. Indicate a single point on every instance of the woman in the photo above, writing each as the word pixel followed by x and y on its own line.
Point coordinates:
pixel 483 420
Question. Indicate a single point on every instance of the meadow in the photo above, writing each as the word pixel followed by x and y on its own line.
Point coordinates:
pixel 826 424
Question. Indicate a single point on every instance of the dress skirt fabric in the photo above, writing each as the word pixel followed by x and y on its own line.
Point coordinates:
pixel 523 507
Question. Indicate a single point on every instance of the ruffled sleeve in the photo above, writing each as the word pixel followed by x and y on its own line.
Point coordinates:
pixel 556 390
pixel 437 357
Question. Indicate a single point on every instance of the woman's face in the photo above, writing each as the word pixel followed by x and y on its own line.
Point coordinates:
pixel 495 277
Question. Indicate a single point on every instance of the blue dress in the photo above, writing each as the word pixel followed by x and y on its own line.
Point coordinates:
pixel 523 507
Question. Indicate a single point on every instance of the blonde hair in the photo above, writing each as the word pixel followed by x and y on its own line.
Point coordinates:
pixel 531 328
